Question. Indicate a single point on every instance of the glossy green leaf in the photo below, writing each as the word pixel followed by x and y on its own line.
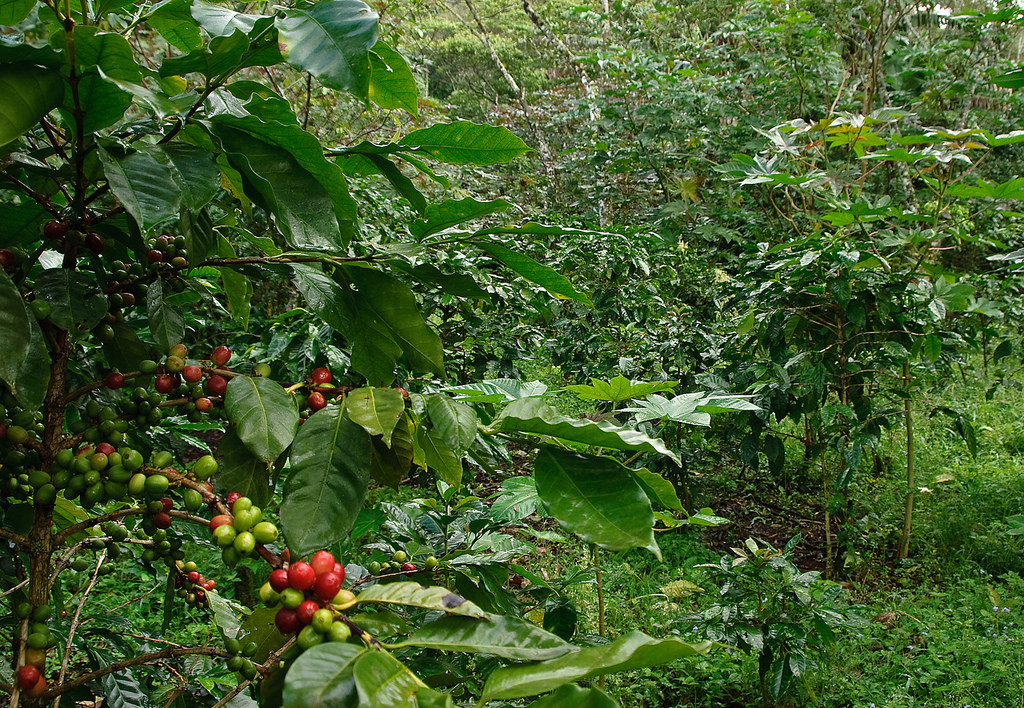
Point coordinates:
pixel 107 50
pixel 393 304
pixel 385 682
pixel 174 21
pixel 103 103
pixel 498 635
pixel 200 239
pixel 29 94
pixel 416 595
pixel 658 489
pixel 262 414
pixel 392 85
pixel 439 217
pixel 454 422
pixel 572 695
pixel 323 296
pixel 517 499
pixel 1010 80
pixel 402 184
pixel 633 650
pixel 682 409
pixel 377 410
pixel 390 465
pixel 532 415
pixel 322 678
pixel 498 390
pixel 34 374
pixel 16 326
pixel 438 456
pixel 21 223
pixel 303 210
pixel 279 127
pixel 324 492
pixel 195 173
pixel 144 187
pixel 465 143
pixel 619 389
pixel 227 614
pixel 76 301
pixel 241 471
pixel 331 40
pixel 166 320
pixel 14 11
pixel 544 276
pixel 221 21
pixel 596 498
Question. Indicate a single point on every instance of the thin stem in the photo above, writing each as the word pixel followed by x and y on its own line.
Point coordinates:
pixel 149 658
pixel 76 620
pixel 13 538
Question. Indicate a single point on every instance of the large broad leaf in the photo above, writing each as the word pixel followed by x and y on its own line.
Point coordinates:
pixel 21 223
pixel 390 301
pixel 271 120
pixel 166 321
pixel 331 40
pixel 228 614
pixel 76 302
pixel 144 186
pixel 302 208
pixel 439 217
pixel 498 635
pixel 263 414
pixel 324 297
pixel 619 389
pixel 596 498
pixel 222 21
pixel 330 470
pixel 322 678
pixel 392 84
pixel 532 415
pixel 200 239
pixel 465 143
pixel 34 375
pixel 415 595
pixel 385 682
pixel 454 422
pixel 634 650
pixel 658 489
pixel 175 23
pixel 517 499
pixel 498 390
pixel 390 464
pixel 107 50
pixel 16 327
pixel 378 410
pixel 438 456
pixel 14 11
pixel 682 409
pixel 241 471
pixel 196 174
pixel 29 94
pixel 572 695
pixel 544 276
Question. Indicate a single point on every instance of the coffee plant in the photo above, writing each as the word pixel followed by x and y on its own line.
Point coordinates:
pixel 154 177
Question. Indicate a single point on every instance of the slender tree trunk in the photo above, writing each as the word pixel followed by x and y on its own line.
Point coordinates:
pixel 519 91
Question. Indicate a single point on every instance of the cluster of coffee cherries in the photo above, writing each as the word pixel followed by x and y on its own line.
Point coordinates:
pixel 70 239
pixel 310 598
pixel 195 387
pixel 400 563
pixel 241 659
pixel 19 432
pixel 40 638
pixel 190 585
pixel 166 251
pixel 239 532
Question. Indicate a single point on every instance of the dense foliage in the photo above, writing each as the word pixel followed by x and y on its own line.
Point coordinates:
pixel 257 282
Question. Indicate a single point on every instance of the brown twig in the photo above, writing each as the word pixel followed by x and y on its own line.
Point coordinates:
pixel 13 538
pixel 149 658
pixel 76 620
